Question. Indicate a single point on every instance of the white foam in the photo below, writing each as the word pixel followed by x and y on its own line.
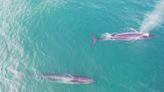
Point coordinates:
pixel 12 55
pixel 11 51
pixel 106 35
pixel 154 18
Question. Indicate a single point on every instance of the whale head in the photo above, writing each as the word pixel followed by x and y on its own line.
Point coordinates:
pixel 146 35
pixel 81 79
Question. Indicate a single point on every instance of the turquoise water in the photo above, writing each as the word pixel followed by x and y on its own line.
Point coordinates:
pixel 53 36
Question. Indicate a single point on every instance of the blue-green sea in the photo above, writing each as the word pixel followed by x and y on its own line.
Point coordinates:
pixel 54 36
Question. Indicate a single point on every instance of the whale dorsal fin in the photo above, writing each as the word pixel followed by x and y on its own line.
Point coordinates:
pixel 134 30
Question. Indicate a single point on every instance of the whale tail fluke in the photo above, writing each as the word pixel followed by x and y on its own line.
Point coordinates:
pixel 93 38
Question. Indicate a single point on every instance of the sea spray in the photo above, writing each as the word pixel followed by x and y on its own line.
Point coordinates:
pixel 154 18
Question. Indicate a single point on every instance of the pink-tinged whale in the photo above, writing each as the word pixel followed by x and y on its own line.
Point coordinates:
pixel 122 36
pixel 67 78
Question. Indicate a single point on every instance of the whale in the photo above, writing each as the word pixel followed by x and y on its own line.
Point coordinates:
pixel 127 36
pixel 66 78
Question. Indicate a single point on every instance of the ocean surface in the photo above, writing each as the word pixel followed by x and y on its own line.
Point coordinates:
pixel 54 36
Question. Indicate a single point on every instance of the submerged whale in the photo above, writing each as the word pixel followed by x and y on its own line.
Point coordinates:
pixel 67 78
pixel 122 36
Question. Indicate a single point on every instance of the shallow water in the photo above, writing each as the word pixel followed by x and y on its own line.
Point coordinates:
pixel 53 36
